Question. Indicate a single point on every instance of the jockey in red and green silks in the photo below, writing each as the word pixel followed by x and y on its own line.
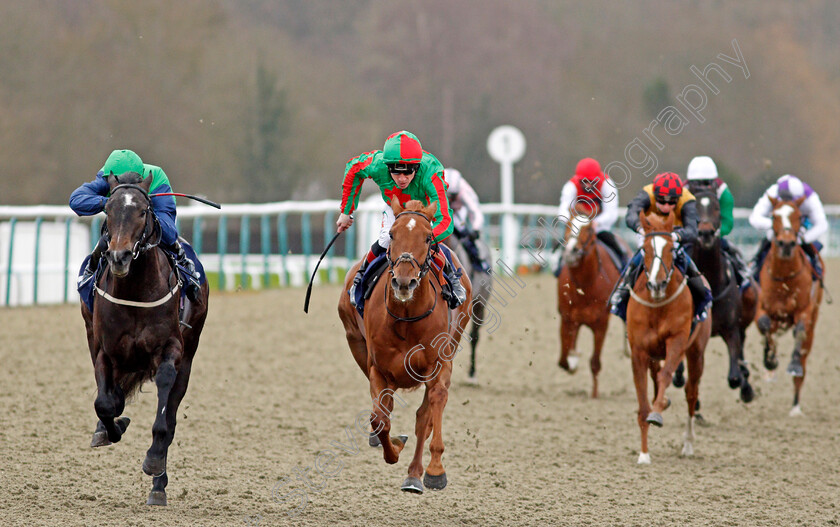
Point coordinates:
pixel 402 170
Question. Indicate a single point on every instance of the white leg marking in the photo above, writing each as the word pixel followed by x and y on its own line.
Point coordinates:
pixel 644 458
pixel 796 411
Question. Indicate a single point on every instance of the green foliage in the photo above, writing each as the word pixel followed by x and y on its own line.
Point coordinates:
pixel 268 169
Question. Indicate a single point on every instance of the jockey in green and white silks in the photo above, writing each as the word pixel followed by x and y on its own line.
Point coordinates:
pixel 401 170
pixel 702 175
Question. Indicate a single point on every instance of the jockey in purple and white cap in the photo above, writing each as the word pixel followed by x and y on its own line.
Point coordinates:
pixel 814 221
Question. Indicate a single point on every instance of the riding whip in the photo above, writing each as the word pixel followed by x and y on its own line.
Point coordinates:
pixel 203 200
pixel 309 289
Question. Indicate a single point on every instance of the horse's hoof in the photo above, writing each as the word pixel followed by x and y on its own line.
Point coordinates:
pixel 734 382
pixel 667 403
pixel 435 482
pixel 472 380
pixel 401 438
pixel 156 497
pixel 688 450
pixel 747 393
pixel 795 369
pixel 153 466
pixel 644 458
pixel 100 439
pixel 655 419
pixel 412 485
pixel 122 423
pixel 573 363
pixel 375 443
pixel 678 380
pixel 771 364
pixel 796 411
pixel 700 420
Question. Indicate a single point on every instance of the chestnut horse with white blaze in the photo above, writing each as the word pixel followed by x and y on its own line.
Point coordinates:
pixel 661 333
pixel 408 338
pixel 789 296
pixel 583 289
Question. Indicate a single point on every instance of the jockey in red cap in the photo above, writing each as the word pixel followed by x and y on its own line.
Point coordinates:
pixel 665 195
pixel 402 170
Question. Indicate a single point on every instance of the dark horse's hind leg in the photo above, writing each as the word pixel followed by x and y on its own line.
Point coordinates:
pixel 679 376
pixel 158 494
pixel 477 315
pixel 109 403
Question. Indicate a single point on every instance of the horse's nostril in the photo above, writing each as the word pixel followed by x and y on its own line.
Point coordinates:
pixel 412 284
pixel 394 283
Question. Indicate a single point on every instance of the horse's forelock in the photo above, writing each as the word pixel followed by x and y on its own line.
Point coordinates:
pixel 130 178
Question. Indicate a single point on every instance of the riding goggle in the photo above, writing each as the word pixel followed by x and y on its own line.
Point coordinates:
pixel 666 201
pixel 402 168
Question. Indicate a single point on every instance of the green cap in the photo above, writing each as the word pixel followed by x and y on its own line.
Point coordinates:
pixel 122 161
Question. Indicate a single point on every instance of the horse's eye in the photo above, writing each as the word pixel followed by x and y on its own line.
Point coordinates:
pixel 143 212
pixel 391 235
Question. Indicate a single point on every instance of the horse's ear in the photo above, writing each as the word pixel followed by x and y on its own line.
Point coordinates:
pixel 146 184
pixel 396 207
pixel 112 180
pixel 799 201
pixel 773 201
pixel 431 210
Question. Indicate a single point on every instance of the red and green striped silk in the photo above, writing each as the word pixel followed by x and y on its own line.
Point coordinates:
pixel 427 186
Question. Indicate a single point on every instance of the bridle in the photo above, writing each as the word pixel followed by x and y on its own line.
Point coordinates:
pixel 142 245
pixel 673 260
pixel 422 270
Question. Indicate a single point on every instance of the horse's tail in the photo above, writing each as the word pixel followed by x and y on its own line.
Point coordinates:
pixel 131 383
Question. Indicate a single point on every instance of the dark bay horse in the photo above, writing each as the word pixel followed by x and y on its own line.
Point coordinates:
pixel 408 338
pixel 482 284
pixel 583 289
pixel 789 296
pixel 732 311
pixel 661 333
pixel 134 331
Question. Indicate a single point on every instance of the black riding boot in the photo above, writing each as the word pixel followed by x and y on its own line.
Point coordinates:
pixel 609 240
pixel 458 294
pixel 701 294
pixel 811 251
pixel 758 259
pixel 376 250
pixel 95 256
pixel 192 287
pixel 621 295
pixel 739 266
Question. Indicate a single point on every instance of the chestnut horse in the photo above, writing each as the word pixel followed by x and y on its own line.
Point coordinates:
pixel 408 338
pixel 134 331
pixel 659 328
pixel 789 296
pixel 583 290
pixel 732 310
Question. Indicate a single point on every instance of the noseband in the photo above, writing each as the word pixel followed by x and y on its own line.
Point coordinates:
pixel 141 245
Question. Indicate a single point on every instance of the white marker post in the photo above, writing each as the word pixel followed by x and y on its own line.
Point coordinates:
pixel 506 145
